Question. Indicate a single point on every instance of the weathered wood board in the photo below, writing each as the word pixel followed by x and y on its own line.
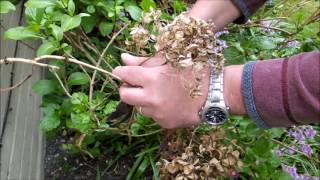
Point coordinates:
pixel 22 144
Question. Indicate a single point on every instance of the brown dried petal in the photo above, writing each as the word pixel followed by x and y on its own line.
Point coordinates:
pixel 188 169
pixel 172 168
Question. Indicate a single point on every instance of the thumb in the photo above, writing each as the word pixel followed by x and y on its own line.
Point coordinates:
pixel 130 60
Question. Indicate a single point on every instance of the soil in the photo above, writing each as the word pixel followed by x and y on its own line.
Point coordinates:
pixel 60 164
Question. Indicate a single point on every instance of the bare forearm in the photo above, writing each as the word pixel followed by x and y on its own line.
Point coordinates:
pixel 222 12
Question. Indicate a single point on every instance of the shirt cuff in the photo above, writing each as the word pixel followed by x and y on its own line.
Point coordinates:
pixel 242 6
pixel 247 93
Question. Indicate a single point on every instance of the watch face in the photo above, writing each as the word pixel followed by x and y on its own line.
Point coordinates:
pixel 215 115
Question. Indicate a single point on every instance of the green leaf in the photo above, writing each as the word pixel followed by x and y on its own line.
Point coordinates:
pixel 148 4
pixel 81 121
pixel 79 98
pixel 6 6
pixel 44 87
pixel 135 128
pixel 265 43
pixel 47 48
pixel 39 3
pixel 21 33
pixel 51 120
pixel 134 11
pixel 71 7
pixel 91 9
pixel 35 15
pixel 281 175
pixel 142 168
pixel 105 28
pixel 261 146
pixel 57 32
pixel 88 23
pixel 179 6
pixel 110 107
pixel 68 22
pixel 233 55
pixel 276 132
pixel 78 78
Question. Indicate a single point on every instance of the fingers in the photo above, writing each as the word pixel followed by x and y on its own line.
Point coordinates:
pixel 133 75
pixel 130 60
pixel 133 96
pixel 145 110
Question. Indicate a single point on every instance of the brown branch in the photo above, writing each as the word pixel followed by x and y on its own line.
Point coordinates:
pixel 16 85
pixel 61 83
pixel 75 61
pixel 54 57
pixel 100 59
pixel 26 61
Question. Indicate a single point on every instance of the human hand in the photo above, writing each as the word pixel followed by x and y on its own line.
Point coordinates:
pixel 160 91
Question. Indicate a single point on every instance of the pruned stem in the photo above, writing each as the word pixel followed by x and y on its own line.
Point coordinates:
pixel 61 83
pixel 100 59
pixel 26 61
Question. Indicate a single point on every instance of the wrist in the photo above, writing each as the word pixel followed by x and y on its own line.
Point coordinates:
pixel 232 89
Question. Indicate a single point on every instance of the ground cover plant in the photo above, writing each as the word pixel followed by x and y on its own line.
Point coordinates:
pixel 79 94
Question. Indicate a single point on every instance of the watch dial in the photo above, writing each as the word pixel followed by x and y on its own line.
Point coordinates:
pixel 215 115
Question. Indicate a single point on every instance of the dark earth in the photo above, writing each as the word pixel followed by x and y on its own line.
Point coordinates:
pixel 60 164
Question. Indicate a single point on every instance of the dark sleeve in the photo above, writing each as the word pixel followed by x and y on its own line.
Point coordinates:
pixel 247 7
pixel 283 92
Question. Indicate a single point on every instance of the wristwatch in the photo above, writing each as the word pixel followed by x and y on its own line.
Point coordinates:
pixel 215 111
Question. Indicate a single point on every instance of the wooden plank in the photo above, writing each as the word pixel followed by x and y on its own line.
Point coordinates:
pixel 22 144
pixel 7 49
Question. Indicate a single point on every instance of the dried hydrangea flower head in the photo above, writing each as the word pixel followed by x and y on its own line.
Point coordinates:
pixel 185 42
pixel 140 36
pixel 152 16
pixel 204 157
pixel 188 41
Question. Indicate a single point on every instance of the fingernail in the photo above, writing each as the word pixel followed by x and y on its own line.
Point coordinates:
pixel 125 56
pixel 116 70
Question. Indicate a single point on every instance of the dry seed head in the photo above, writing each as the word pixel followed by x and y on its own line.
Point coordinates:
pixel 206 157
pixel 188 41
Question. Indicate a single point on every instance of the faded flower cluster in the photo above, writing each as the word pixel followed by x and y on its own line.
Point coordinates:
pixel 185 42
pixel 205 157
pixel 189 42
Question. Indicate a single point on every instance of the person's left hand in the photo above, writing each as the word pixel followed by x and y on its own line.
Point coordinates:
pixel 159 92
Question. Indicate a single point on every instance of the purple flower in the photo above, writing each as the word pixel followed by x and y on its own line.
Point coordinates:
pixel 266 23
pixel 220 33
pixel 306 148
pixel 310 132
pixel 234 174
pixel 291 151
pixel 304 177
pixel 293 44
pixel 278 152
pixel 291 170
pixel 221 45
pixel 298 135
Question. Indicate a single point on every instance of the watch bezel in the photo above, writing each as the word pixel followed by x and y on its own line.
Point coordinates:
pixel 204 111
